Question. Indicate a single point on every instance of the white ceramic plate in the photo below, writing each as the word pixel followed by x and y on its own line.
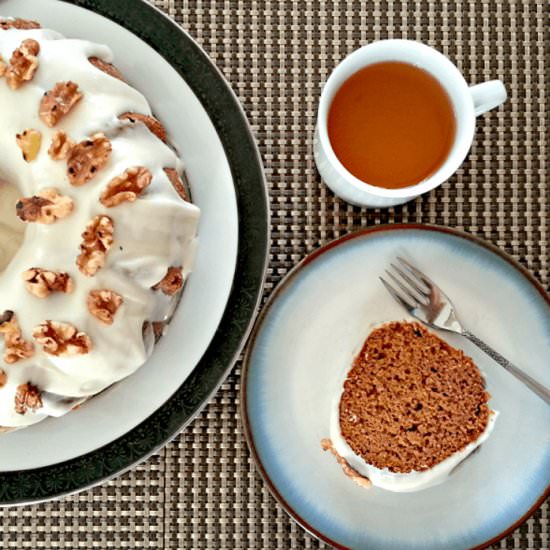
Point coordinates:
pixel 308 335
pixel 194 125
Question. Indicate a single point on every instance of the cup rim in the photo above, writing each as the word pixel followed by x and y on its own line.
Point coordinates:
pixel 437 178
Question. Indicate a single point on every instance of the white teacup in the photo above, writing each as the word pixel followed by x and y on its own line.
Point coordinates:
pixel 468 102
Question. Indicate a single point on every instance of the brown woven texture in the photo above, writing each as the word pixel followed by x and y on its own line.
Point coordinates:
pixel 202 490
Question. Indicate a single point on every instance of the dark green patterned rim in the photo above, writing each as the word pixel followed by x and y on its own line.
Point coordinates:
pixel 190 61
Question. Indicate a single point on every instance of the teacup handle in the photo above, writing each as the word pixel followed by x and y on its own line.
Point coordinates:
pixel 488 95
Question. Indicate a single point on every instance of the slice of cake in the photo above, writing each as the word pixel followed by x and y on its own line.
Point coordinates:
pixel 411 409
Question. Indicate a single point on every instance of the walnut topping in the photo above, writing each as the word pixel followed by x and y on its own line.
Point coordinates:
pixel 177 182
pixel 171 282
pixel 362 481
pixel 3 66
pixel 3 378
pixel 22 24
pixel 126 187
pixel 45 207
pixel 29 141
pixel 61 146
pixel 108 68
pixel 58 102
pixel 87 157
pixel 23 63
pixel 61 339
pixel 103 304
pixel 30 209
pixel 41 282
pixel 96 242
pixel 7 317
pixel 154 126
pixel 15 347
pixel 27 397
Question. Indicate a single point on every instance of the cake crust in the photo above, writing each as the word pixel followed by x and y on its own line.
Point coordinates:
pixel 411 400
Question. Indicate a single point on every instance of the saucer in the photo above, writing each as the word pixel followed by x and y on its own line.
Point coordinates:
pixel 307 336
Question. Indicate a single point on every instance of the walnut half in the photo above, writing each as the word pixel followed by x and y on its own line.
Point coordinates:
pixel 126 187
pixel 15 347
pixel 96 243
pixel 61 339
pixel 47 207
pixel 103 304
pixel 27 397
pixel 29 141
pixel 171 282
pixel 23 63
pixel 58 102
pixel 61 146
pixel 41 282
pixel 21 24
pixel 87 158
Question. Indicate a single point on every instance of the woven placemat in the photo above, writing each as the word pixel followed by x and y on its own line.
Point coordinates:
pixel 202 491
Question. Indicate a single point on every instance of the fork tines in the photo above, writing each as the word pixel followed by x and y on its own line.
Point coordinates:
pixel 410 286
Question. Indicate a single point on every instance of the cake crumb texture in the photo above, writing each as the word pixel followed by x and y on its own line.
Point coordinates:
pixel 411 400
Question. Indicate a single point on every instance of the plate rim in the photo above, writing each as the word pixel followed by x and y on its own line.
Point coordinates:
pixel 286 281
pixel 20 487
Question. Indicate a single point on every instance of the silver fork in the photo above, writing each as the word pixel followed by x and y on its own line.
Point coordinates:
pixel 423 299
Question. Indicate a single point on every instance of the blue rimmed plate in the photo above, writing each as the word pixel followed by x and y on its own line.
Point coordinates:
pixel 309 332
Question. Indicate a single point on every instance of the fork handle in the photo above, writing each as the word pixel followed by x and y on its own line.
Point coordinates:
pixel 542 391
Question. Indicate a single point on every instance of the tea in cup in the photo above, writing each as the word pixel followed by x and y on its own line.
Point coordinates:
pixel 396 119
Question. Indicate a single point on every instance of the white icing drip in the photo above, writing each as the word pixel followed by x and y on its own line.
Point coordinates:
pixel 150 235
pixel 392 481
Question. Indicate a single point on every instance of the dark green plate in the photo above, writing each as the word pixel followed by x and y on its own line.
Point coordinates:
pixel 190 61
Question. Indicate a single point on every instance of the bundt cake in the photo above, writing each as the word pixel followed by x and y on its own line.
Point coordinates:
pixel 412 408
pixel 97 234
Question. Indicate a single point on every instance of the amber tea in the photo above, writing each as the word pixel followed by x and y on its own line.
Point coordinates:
pixel 391 124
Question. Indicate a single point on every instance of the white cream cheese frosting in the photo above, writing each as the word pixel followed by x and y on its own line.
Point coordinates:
pixel 153 233
pixel 393 481
pixel 11 228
